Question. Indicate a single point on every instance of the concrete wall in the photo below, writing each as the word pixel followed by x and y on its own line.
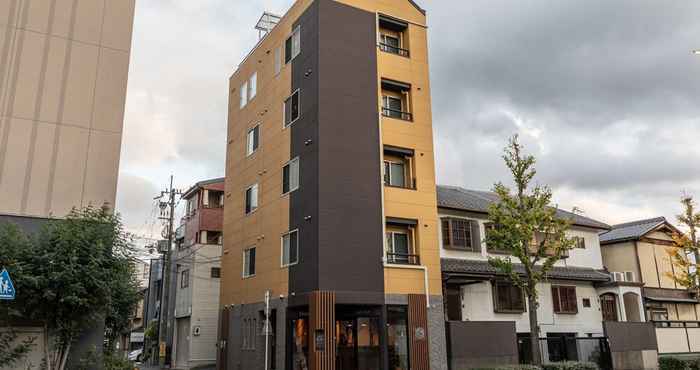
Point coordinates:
pixel 481 344
pixel 478 305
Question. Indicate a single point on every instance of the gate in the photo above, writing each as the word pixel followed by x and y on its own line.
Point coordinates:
pixel 558 347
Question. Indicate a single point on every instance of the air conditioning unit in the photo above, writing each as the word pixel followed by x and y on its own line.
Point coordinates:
pixel 629 276
pixel 618 276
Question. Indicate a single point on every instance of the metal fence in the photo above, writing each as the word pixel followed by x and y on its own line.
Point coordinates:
pixel 559 348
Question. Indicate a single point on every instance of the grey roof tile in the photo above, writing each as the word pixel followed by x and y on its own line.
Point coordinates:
pixel 479 201
pixel 478 267
pixel 631 230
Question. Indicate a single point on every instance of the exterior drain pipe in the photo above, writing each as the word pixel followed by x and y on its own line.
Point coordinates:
pixel 267 329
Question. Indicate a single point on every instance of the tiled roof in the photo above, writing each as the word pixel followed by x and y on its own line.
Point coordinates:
pixel 200 184
pixel 631 230
pixel 477 267
pixel 455 197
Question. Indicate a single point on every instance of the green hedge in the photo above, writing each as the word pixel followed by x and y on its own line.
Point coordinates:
pixel 570 366
pixel 673 363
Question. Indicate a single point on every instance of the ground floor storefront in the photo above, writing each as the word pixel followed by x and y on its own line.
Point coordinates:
pixel 325 330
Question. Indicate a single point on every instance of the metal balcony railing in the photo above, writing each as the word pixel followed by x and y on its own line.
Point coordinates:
pixel 394 50
pixel 393 113
pixel 403 259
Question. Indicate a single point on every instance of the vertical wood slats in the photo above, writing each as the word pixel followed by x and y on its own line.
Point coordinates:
pixel 322 317
pixel 222 353
pixel 418 321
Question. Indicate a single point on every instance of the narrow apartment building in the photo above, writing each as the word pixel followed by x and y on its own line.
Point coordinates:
pixel 197 262
pixel 330 257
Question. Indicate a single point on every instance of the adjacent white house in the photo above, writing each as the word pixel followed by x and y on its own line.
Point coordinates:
pixel 570 304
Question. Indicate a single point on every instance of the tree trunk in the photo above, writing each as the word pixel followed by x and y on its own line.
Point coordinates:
pixel 64 356
pixel 532 306
pixel 47 352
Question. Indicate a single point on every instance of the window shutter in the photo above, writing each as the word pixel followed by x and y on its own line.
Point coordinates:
pixel 476 236
pixel 446 233
pixel 572 300
pixel 555 299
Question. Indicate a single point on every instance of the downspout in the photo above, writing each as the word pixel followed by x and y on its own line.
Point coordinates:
pixel 267 329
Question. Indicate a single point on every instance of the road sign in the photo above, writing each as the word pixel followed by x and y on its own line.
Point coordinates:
pixel 7 289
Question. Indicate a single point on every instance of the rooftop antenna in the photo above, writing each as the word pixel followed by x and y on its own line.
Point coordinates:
pixel 267 22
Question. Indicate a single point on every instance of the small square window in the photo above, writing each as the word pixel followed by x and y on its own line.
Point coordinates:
pixel 290 176
pixel 251 199
pixel 290 248
pixel 216 272
pixel 252 140
pixel 587 302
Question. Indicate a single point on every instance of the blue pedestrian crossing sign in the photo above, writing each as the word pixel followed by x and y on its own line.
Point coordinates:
pixel 7 289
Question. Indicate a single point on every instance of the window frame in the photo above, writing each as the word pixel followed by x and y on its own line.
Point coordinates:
pixel 249 257
pixel 295 232
pixel 243 95
pixel 257 199
pixel 289 182
pixel 579 242
pixel 387 172
pixel 296 33
pixel 213 275
pixel 284 109
pixel 450 234
pixel 498 307
pixel 256 140
pixel 559 304
pixel 185 279
pixel 252 86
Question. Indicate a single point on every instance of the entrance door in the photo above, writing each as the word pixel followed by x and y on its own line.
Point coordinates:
pixel 357 344
pixel 182 351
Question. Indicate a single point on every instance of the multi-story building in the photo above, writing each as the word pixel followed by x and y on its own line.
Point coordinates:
pixel 331 257
pixel 197 263
pixel 637 252
pixel 475 291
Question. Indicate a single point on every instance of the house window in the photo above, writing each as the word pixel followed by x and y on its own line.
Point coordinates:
pixel 253 140
pixel 399 167
pixel 290 248
pixel 278 60
pixel 392 106
pixel 587 302
pixel 249 262
pixel 459 234
pixel 394 174
pixel 185 279
pixel 216 272
pixel 564 299
pixel 292 47
pixel 251 199
pixel 396 100
pixel 508 298
pixel 398 246
pixel 626 276
pixel 392 33
pixel 579 242
pixel 253 86
pixel 290 176
pixel 491 227
pixel 291 109
pixel 244 94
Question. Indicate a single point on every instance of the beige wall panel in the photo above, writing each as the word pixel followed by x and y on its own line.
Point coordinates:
pixel 118 20
pixel 37 15
pixel 14 169
pixel 51 99
pixel 620 257
pixel 5 11
pixel 389 7
pixel 29 68
pixel 102 168
pixel 62 17
pixel 39 185
pixel 646 260
pixel 663 261
pixel 88 22
pixel 686 312
pixel 110 91
pixel 660 235
pixel 80 85
pixel 70 164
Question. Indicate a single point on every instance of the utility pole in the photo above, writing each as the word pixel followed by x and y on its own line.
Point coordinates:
pixel 163 317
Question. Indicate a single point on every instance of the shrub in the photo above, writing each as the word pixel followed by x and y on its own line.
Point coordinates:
pixel 519 367
pixel 570 366
pixel 672 363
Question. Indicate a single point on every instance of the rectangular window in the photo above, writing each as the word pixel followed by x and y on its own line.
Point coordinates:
pixel 393 107
pixel 185 279
pixel 278 60
pixel 398 337
pixel 398 246
pixel 579 242
pixel 291 109
pixel 290 248
pixel 457 234
pixel 216 272
pixel 253 140
pixel 292 47
pixel 251 199
pixel 508 298
pixel 253 86
pixel 244 94
pixel 564 299
pixel 249 262
pixel 290 176
pixel 394 174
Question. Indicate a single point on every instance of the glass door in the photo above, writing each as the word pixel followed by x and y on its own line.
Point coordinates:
pixel 357 344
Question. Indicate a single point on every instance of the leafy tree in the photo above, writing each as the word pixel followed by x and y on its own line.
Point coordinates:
pixel 71 275
pixel 687 245
pixel 527 228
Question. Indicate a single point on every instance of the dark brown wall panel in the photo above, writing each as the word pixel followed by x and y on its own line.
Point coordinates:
pixel 418 332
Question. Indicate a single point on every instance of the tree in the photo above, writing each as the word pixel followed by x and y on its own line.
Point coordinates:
pixel 527 228
pixel 71 275
pixel 687 246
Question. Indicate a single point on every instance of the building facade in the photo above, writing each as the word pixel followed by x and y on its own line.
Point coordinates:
pixel 330 256
pixel 637 252
pixel 197 261
pixel 63 77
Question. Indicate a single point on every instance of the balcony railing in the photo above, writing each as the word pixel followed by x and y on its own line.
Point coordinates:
pixel 403 259
pixel 411 185
pixel 394 50
pixel 677 324
pixel 393 113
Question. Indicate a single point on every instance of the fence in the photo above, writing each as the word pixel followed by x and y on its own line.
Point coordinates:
pixel 678 336
pixel 567 347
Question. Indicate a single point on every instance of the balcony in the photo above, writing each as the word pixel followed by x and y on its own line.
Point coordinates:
pixel 403 259
pixel 392 49
pixel 398 114
pixel 396 100
pixel 393 36
pixel 400 242
pixel 399 168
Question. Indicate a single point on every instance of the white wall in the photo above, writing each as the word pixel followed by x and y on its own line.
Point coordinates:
pixel 205 306
pixel 478 305
pixel 590 257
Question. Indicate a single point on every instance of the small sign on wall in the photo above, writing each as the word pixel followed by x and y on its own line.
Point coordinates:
pixel 420 333
pixel 320 340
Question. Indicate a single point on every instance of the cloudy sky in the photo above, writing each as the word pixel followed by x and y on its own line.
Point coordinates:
pixel 605 93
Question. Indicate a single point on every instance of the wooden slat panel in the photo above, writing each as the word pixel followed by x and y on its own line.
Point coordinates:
pixel 222 353
pixel 322 317
pixel 418 332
